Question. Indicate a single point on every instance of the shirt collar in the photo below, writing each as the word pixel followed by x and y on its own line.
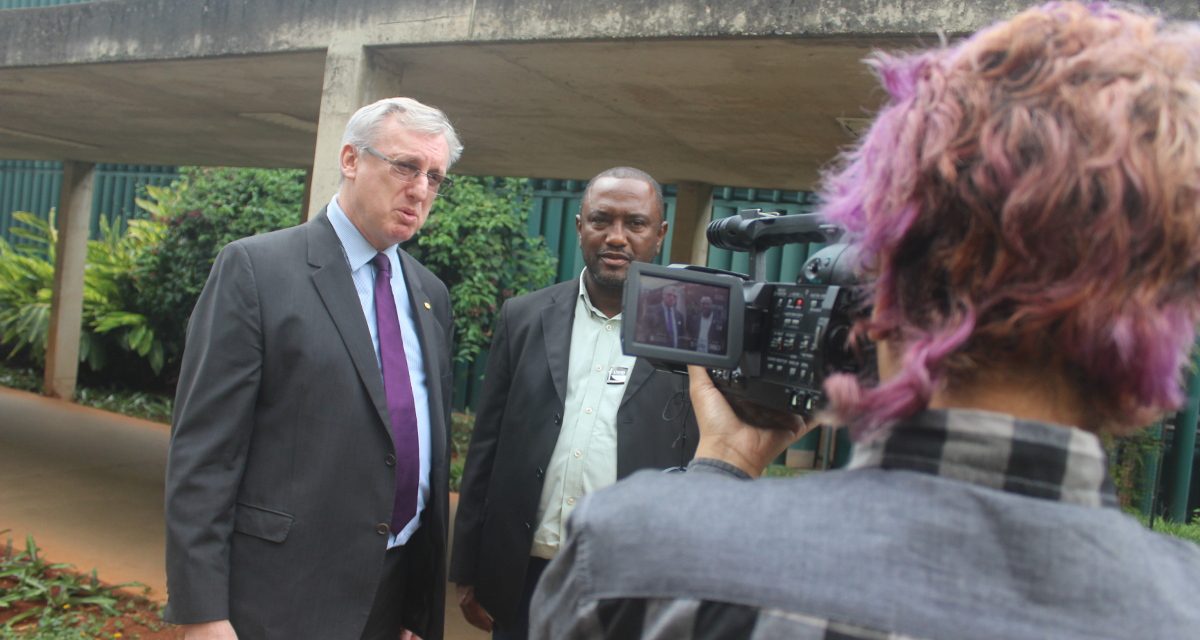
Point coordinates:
pixel 587 301
pixel 358 251
pixel 1035 459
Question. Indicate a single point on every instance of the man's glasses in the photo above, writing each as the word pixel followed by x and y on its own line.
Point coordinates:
pixel 408 172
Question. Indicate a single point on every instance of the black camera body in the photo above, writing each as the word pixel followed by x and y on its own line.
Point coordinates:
pixel 773 343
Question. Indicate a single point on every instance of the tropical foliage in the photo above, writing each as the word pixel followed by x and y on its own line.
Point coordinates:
pixel 111 328
pixel 202 212
pixel 477 241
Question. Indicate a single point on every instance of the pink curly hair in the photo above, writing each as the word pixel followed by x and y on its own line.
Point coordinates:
pixel 1029 197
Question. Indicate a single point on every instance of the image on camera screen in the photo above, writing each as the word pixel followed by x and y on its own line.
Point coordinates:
pixel 683 315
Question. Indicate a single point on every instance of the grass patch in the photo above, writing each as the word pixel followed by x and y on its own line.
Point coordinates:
pixel 1182 530
pixel 138 404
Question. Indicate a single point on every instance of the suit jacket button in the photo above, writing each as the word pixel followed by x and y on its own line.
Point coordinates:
pixel 390 460
pixel 382 529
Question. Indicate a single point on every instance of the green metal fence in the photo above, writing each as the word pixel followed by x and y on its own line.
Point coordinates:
pixel 27 186
pixel 34 187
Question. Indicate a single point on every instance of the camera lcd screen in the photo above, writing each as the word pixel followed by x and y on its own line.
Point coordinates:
pixel 683 315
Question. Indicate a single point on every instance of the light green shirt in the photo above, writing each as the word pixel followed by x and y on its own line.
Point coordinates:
pixel 585 457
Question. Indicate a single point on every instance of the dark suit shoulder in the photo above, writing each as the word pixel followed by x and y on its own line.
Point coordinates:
pixel 533 301
pixel 280 247
pixel 278 239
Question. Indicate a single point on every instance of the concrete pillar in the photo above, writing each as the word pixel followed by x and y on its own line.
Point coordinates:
pixel 66 301
pixel 693 211
pixel 354 76
pixel 306 210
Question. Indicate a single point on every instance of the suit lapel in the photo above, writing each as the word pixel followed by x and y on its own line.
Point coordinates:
pixel 557 319
pixel 641 373
pixel 336 287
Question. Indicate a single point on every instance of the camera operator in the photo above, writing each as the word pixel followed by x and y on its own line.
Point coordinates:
pixel 1026 208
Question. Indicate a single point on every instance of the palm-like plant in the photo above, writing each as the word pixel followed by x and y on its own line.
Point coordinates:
pixel 27 275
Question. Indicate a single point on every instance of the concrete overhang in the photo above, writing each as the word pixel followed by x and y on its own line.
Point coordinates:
pixel 757 93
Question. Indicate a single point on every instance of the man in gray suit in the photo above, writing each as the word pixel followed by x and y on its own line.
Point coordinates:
pixel 1028 211
pixel 563 410
pixel 306 487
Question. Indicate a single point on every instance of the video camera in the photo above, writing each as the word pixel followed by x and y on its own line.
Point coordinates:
pixel 773 343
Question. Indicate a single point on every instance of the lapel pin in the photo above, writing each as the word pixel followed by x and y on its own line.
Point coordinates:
pixel 427 305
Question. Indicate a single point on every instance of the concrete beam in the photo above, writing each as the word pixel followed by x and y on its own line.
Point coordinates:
pixel 757 93
pixel 70 258
pixel 182 29
pixel 693 211
pixel 354 76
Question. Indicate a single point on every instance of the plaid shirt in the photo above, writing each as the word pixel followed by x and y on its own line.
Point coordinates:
pixel 997 451
pixel 588 593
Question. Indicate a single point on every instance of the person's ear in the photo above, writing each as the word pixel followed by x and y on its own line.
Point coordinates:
pixel 348 161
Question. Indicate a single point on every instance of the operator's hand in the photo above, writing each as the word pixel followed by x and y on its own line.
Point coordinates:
pixel 215 630
pixel 471 609
pixel 748 437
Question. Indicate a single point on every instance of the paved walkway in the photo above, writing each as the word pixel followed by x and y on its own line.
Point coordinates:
pixel 88 486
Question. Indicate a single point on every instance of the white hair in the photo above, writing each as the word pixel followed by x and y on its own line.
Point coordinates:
pixel 412 115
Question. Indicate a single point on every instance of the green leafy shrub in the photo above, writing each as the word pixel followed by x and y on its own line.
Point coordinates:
pixel 26 278
pixel 30 578
pixel 477 241
pixel 461 426
pixel 40 600
pixel 21 378
pixel 205 210
pixel 113 329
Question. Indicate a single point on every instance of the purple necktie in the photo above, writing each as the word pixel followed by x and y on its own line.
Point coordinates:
pixel 398 388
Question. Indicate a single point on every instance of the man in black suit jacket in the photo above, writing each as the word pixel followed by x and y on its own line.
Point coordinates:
pixel 664 322
pixel 563 410
pixel 282 472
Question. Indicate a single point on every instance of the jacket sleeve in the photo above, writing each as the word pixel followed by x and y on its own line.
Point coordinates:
pixel 473 495
pixel 214 417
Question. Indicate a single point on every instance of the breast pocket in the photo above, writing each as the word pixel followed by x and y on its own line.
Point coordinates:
pixel 259 522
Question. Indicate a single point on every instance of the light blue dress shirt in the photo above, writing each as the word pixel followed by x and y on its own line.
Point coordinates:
pixel 359 253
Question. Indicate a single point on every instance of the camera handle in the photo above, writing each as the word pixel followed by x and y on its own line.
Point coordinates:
pixel 754 231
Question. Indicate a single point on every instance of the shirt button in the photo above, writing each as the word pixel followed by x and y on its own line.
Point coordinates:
pixel 588 411
pixel 570 501
pixel 598 367
pixel 578 453
pixel 381 528
pixel 608 327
